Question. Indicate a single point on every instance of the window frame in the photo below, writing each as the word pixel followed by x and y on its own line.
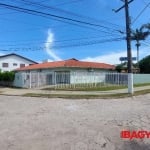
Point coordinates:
pixel 5 65
pixel 15 64
pixel 22 65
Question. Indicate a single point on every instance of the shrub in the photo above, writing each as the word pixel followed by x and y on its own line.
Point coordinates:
pixel 7 76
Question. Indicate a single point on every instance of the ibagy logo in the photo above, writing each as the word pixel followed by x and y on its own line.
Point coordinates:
pixel 127 134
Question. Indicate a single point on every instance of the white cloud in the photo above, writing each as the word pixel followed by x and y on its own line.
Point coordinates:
pixel 113 57
pixel 48 46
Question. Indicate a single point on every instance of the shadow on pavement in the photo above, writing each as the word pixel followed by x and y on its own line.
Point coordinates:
pixel 134 145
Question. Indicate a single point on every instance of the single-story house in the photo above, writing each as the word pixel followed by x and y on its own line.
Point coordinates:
pixel 70 71
pixel 13 61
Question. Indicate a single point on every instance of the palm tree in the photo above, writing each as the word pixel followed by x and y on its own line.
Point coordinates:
pixel 139 35
pixel 146 26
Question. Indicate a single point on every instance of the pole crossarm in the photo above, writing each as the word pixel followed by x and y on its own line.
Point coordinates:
pixel 122 6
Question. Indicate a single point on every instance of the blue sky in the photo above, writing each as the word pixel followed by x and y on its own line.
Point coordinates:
pixel 41 38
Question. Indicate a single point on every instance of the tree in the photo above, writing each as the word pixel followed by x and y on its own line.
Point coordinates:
pixel 146 26
pixel 123 67
pixel 140 34
pixel 119 67
pixel 144 65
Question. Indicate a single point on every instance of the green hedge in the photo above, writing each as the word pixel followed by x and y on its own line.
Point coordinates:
pixel 7 76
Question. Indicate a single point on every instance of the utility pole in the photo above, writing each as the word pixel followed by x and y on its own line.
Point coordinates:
pixel 128 33
pixel 128 39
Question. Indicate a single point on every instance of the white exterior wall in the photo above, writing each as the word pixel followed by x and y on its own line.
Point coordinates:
pixel 19 80
pixel 79 75
pixel 29 79
pixel 85 76
pixel 11 60
pixel 37 78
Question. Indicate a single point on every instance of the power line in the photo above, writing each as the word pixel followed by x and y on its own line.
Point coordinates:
pixel 36 4
pixel 79 44
pixel 141 12
pixel 67 12
pixel 81 38
pixel 110 31
pixel 45 6
pixel 33 12
pixel 28 29
pixel 54 26
pixel 55 41
pixel 55 17
pixel 90 43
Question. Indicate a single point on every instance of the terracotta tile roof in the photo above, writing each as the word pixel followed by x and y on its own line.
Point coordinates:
pixel 71 63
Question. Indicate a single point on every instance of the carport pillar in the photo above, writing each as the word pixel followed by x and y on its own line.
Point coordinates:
pixel 130 83
pixel 38 80
pixel 30 81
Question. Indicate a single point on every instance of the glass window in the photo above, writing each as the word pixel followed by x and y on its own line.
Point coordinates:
pixel 14 64
pixel 22 65
pixel 5 65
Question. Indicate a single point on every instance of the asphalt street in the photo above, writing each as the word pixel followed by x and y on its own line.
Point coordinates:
pixel 57 124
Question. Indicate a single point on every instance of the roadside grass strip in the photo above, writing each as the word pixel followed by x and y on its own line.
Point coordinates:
pixel 90 96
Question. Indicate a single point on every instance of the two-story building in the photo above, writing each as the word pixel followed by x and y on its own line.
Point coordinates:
pixel 12 61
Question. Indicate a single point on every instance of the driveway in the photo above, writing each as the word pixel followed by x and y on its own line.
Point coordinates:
pixel 59 124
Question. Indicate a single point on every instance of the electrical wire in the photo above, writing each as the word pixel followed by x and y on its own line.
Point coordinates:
pixel 35 4
pixel 89 43
pixel 112 32
pixel 55 17
pixel 79 44
pixel 27 42
pixel 141 12
pixel 66 20
pixel 68 13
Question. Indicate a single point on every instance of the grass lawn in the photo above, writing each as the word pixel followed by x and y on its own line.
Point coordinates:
pixel 98 87
pixel 86 87
pixel 75 96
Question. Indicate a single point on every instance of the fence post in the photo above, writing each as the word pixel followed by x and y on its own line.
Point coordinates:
pixel 130 83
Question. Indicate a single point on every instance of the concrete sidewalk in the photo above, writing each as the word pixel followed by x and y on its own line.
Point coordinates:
pixel 19 92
